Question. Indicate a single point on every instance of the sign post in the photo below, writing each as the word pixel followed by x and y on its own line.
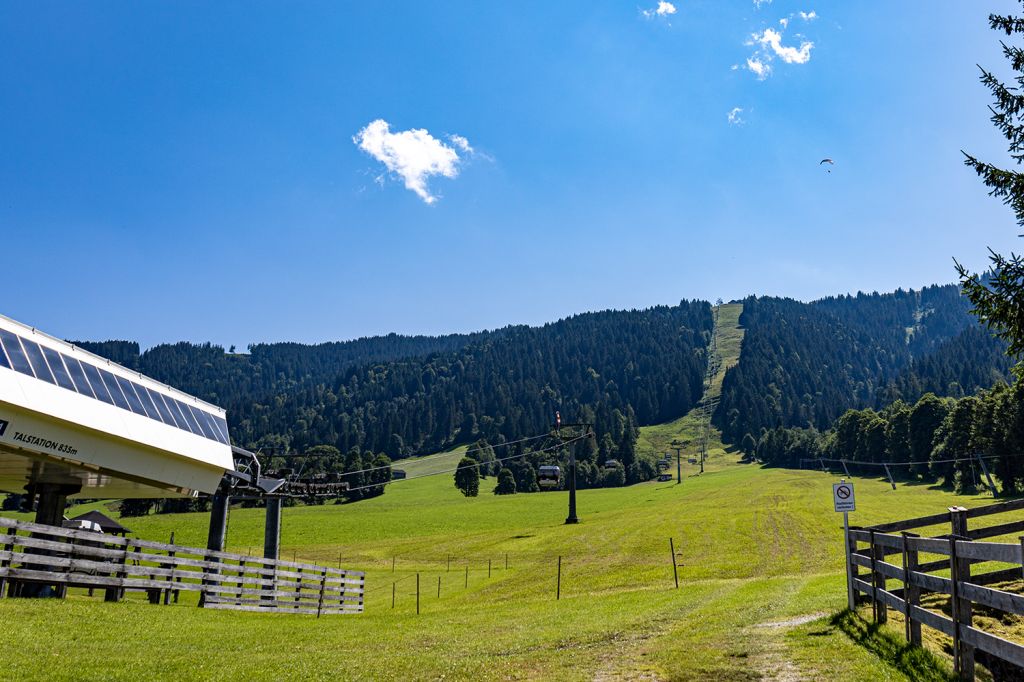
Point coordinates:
pixel 843 501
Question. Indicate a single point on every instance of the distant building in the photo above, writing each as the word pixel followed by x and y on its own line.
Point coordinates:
pixel 99 521
pixel 397 474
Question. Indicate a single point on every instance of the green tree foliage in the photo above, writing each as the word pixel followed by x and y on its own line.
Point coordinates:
pixel 998 300
pixel 929 433
pixel 805 364
pixel 748 445
pixel 467 477
pixel 925 419
pixel 613 476
pixel 506 483
pixel 402 395
pixel 954 439
pixel 137 507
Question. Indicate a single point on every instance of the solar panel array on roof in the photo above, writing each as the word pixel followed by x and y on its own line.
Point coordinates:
pixel 46 364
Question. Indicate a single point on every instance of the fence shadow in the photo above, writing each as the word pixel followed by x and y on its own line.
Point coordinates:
pixel 915 662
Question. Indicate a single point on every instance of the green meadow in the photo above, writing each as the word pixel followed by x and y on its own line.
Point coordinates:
pixel 758 554
pixel 759 561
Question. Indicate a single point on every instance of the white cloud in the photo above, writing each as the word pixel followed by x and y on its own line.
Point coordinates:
pixel 761 3
pixel 771 38
pixel 734 116
pixel 808 16
pixel 663 9
pixel 461 142
pixel 768 47
pixel 414 155
pixel 759 68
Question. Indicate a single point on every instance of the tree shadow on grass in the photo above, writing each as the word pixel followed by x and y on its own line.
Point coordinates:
pixel 913 661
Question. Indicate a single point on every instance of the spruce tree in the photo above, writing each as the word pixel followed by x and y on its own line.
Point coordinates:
pixel 506 483
pixel 998 300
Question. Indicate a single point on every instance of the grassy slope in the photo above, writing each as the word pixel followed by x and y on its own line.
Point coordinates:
pixel 658 438
pixel 755 547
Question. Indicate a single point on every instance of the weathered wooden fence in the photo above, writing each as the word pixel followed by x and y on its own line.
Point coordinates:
pixel 34 556
pixel 958 551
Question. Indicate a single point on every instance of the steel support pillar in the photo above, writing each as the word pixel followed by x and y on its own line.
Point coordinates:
pixel 272 531
pixel 218 522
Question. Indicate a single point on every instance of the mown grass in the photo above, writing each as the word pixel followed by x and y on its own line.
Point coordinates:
pixel 755 546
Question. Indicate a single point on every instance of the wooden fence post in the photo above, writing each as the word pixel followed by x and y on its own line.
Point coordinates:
pixel 393 585
pixel 879 583
pixel 298 588
pixel 1021 540
pixel 323 581
pixel 239 585
pixel 116 593
pixel 417 594
pixel 170 567
pixel 9 547
pixel 911 592
pixel 874 578
pixel 467 577
pixel 438 587
pixel 558 589
pixel 960 571
pixel 205 571
pixel 852 570
pixel 675 570
pixel 488 568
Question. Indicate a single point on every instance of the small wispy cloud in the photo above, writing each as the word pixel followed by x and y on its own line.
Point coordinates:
pixel 664 9
pixel 761 3
pixel 758 68
pixel 734 116
pixel 769 46
pixel 461 142
pixel 772 39
pixel 413 155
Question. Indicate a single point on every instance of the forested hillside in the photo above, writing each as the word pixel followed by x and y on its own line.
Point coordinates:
pixel 617 369
pixel 268 369
pixel 804 364
pixel 801 365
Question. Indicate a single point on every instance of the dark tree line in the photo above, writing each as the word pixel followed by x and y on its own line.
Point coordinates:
pixel 804 364
pixel 614 369
pixel 921 439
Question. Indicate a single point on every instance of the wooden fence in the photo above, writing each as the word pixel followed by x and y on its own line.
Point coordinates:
pixel 955 552
pixel 36 557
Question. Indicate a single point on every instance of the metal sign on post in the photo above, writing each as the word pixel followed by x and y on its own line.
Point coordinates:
pixel 843 501
pixel 842 497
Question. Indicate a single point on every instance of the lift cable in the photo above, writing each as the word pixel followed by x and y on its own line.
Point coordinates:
pixel 438 454
pixel 448 471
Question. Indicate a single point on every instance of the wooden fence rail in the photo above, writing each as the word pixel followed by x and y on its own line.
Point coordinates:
pixel 34 556
pixel 959 550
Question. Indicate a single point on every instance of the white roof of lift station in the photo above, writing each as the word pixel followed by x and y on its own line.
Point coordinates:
pixel 69 416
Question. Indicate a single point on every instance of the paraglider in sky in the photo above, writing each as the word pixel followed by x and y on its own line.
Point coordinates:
pixel 829 162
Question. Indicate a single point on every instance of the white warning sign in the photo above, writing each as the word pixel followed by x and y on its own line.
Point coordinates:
pixel 842 497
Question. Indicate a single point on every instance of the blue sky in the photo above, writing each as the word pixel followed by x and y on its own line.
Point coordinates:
pixel 191 170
